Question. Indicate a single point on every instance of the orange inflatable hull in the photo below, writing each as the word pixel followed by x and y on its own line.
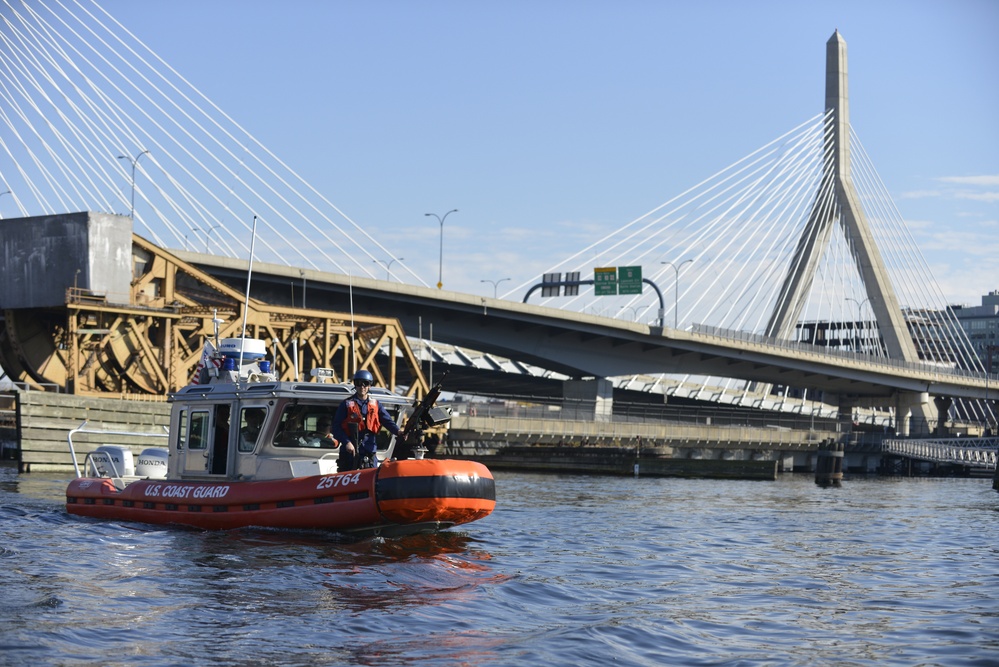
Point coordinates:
pixel 396 497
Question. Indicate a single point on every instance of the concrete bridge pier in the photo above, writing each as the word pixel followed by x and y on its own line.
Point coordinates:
pixel 588 400
pixel 907 404
pixel 943 404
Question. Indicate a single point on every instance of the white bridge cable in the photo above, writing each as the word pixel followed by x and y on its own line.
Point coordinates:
pixel 755 274
pixel 158 148
pixel 20 113
pixel 38 159
pixel 358 248
pixel 820 206
pixel 109 145
pixel 938 334
pixel 646 221
pixel 82 165
pixel 714 223
pixel 78 171
pixel 95 96
pixel 913 278
pixel 225 167
pixel 792 201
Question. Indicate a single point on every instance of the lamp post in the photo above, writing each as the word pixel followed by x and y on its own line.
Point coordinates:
pixel 860 316
pixel 134 163
pixel 440 267
pixel 634 312
pixel 5 192
pixel 495 284
pixel 676 289
pixel 301 272
pixel 208 234
pixel 388 265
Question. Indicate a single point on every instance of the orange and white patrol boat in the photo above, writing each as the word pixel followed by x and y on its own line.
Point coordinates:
pixel 275 464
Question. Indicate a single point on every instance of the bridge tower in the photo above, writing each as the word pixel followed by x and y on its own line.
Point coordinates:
pixel 838 204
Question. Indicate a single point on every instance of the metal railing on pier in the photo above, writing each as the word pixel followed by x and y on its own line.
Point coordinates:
pixel 972 452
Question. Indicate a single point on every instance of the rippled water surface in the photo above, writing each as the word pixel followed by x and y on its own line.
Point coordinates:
pixel 569 570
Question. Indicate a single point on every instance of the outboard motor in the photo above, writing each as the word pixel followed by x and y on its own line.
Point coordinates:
pixel 113 461
pixel 152 463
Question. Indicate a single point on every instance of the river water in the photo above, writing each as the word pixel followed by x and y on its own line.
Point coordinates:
pixel 569 570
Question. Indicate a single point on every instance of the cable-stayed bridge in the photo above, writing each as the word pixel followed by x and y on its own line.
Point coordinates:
pixel 798 243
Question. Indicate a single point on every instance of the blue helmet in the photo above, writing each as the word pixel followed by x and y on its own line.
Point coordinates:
pixel 364 375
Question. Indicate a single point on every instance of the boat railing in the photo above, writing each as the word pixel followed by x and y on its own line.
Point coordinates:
pixel 88 460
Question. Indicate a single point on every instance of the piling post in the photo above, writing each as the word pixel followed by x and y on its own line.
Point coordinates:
pixel 829 465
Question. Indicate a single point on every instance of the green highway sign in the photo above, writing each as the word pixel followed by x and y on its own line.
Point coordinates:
pixel 629 280
pixel 605 281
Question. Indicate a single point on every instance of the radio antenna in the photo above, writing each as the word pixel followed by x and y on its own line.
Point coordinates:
pixel 246 302
pixel 353 350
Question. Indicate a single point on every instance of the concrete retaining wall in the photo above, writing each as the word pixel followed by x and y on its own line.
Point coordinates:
pixel 674 435
pixel 615 461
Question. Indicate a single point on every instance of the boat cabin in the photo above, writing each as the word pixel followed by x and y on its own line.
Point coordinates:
pixel 245 425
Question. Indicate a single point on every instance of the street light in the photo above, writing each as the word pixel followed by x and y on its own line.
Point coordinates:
pixel 208 234
pixel 634 312
pixel 388 265
pixel 301 272
pixel 676 289
pixel 5 192
pixel 860 317
pixel 440 268
pixel 495 284
pixel 134 163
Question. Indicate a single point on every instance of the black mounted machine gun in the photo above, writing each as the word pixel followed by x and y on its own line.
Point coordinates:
pixel 425 415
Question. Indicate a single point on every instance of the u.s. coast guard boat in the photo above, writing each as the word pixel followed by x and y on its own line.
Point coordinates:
pixel 248 450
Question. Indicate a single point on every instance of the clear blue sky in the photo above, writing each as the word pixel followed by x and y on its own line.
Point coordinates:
pixel 549 123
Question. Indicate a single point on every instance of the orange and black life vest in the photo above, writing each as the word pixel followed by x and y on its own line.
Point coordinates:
pixel 354 416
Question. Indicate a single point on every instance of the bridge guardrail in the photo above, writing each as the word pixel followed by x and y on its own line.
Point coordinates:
pixel 731 334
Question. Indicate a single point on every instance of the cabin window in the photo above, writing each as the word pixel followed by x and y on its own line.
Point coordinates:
pixel 198 438
pixel 181 434
pixel 250 421
pixel 305 426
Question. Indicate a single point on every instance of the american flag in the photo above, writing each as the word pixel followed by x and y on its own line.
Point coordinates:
pixel 207 357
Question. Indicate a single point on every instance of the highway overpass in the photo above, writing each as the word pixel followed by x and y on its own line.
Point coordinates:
pixel 581 345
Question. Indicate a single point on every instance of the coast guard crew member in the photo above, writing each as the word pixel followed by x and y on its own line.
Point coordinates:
pixel 357 423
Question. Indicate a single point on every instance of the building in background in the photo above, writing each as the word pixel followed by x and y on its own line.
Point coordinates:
pixel 981 323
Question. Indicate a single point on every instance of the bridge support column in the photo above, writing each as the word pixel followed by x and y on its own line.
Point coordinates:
pixel 943 404
pixel 907 404
pixel 845 413
pixel 588 400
